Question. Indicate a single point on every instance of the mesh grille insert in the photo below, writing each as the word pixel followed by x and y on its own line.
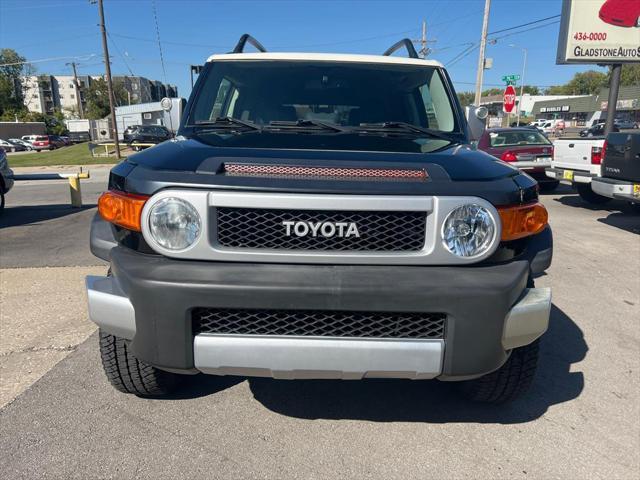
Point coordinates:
pixel 378 231
pixel 319 323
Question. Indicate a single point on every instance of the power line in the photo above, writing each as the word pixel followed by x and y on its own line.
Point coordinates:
pixel 52 59
pixel 524 24
pixel 124 60
pixel 525 30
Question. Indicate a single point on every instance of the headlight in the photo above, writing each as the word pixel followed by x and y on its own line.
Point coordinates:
pixel 174 224
pixel 469 231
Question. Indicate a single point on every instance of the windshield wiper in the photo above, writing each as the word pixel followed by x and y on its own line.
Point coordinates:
pixel 403 126
pixel 227 122
pixel 307 124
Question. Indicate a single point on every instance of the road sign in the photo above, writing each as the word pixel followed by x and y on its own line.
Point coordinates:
pixel 509 99
pixel 510 79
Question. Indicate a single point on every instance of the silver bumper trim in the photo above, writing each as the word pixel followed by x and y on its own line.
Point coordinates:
pixel 528 319
pixel 610 190
pixel 109 308
pixel 317 358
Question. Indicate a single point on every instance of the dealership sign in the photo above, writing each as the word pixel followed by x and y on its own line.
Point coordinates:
pixel 599 31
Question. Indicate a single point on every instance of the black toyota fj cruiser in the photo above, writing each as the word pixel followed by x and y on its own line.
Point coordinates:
pixel 321 216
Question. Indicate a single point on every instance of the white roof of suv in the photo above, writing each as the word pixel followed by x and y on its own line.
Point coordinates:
pixel 327 57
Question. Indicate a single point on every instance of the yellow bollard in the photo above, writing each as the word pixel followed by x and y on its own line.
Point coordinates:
pixel 75 191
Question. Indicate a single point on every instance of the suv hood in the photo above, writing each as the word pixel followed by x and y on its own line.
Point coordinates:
pixel 453 170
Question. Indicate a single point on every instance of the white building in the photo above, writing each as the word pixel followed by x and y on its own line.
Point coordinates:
pixel 150 114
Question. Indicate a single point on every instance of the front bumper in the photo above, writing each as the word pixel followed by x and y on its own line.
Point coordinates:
pixel 570 176
pixel 149 300
pixel 619 189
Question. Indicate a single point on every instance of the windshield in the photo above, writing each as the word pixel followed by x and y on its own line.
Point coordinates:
pixel 503 139
pixel 345 94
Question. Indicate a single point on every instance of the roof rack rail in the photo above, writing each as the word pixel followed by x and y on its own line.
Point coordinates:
pixel 405 42
pixel 244 39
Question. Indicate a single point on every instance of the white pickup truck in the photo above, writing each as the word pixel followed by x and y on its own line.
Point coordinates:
pixel 576 161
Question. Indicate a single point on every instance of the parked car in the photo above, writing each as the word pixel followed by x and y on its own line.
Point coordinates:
pixel 525 148
pixel 597 130
pixel 79 137
pixel 59 141
pixel 11 146
pixel 65 139
pixel 135 134
pixel 620 168
pixel 24 143
pixel 622 13
pixel 6 177
pixel 46 142
pixel 30 138
pixel 624 124
pixel 321 218
pixel 577 161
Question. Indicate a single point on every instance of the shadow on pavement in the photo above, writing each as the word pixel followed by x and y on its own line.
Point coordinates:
pixel 576 201
pixel 433 401
pixel 561 189
pixel 17 216
pixel 627 220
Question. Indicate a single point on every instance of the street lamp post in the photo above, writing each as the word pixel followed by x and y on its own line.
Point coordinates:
pixel 524 67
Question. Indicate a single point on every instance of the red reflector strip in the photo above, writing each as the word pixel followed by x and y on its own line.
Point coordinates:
pixel 297 171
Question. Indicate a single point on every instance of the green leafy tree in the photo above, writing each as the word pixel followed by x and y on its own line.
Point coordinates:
pixel 630 74
pixel 530 89
pixel 12 67
pixel 466 98
pixel 97 96
pixel 582 83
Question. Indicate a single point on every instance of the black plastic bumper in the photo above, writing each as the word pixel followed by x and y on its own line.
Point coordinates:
pixel 163 292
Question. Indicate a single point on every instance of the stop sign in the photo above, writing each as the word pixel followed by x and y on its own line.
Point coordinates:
pixel 509 99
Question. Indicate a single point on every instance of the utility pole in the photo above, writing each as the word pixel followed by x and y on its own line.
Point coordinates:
pixel 107 65
pixel 423 40
pixel 78 90
pixel 483 46
pixel 614 86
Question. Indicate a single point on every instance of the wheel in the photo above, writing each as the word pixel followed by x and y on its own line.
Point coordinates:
pixel 128 374
pixel 135 147
pixel 508 382
pixel 1 200
pixel 589 196
pixel 549 186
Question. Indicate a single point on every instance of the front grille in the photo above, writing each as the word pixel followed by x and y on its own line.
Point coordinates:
pixel 264 229
pixel 318 323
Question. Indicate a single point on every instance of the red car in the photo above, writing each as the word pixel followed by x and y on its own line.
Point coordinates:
pixel 525 148
pixel 47 142
pixel 622 13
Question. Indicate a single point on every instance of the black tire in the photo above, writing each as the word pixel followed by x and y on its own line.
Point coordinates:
pixel 128 374
pixel 507 383
pixel 549 186
pixel 588 195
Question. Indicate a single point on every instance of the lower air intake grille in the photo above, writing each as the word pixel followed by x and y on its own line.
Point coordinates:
pixel 377 231
pixel 318 323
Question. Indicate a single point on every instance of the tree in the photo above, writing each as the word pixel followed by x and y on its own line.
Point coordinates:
pixel 466 98
pixel 582 83
pixel 630 74
pixel 12 67
pixel 530 89
pixel 97 96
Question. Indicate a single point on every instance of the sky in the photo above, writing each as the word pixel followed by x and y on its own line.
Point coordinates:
pixel 191 30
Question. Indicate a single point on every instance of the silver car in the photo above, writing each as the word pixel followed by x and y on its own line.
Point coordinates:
pixel 6 177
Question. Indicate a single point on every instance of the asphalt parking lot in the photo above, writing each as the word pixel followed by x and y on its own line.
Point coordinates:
pixel 59 418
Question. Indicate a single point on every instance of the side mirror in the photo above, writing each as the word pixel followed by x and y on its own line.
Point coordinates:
pixel 166 104
pixel 477 120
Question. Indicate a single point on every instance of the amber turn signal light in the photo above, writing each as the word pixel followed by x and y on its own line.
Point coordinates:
pixel 123 209
pixel 522 220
